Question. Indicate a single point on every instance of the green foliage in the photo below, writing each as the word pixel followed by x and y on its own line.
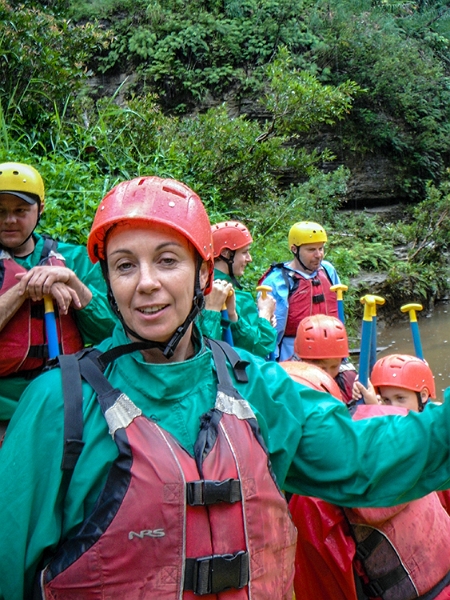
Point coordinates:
pixel 404 68
pixel 297 100
pixel 377 75
pixel 42 61
pixel 185 51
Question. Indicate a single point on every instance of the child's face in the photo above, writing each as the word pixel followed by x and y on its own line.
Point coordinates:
pixel 395 396
pixel 330 365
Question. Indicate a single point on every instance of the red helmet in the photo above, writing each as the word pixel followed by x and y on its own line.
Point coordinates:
pixel 312 376
pixel 153 200
pixel 230 234
pixel 319 337
pixel 403 371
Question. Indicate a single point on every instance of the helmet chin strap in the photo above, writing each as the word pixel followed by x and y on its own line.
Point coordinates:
pixel 420 402
pixel 230 260
pixel 167 349
pixel 297 256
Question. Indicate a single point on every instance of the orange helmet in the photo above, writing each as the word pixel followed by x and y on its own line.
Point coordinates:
pixel 312 376
pixel 158 201
pixel 229 234
pixel 403 371
pixel 320 337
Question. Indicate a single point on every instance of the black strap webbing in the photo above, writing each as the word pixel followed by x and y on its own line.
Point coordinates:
pixel 49 245
pixel 73 410
pixel 237 364
pixel 377 587
pixel 367 546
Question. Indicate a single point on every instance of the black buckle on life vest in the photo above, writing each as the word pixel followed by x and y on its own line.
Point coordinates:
pixel 217 573
pixel 315 281
pixel 318 299
pixel 201 493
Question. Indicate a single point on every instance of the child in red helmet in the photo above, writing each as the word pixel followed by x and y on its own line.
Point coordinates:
pixel 322 340
pixel 395 552
pixel 399 380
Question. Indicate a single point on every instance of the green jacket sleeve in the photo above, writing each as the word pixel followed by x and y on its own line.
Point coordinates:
pixel 252 332
pixel 317 450
pixel 210 324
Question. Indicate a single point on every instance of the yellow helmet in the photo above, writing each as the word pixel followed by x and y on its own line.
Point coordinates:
pixel 22 181
pixel 306 232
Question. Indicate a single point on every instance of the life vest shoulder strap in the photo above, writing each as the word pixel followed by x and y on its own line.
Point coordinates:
pixel 290 277
pixel 87 364
pixel 74 368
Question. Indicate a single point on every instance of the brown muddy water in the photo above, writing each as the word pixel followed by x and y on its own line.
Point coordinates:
pixel 435 338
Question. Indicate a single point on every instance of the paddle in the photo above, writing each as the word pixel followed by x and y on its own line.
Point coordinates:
pixel 366 339
pixel 411 309
pixel 339 288
pixel 50 327
pixel 373 340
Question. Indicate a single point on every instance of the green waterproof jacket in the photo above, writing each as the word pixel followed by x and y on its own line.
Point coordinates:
pixel 315 448
pixel 95 322
pixel 250 332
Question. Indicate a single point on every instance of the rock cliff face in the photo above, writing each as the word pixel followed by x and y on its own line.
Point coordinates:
pixel 372 182
pixel 373 177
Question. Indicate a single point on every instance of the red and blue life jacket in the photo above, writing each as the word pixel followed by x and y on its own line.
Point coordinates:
pixel 23 338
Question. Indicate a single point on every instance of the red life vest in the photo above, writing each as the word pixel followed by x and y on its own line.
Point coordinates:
pixel 401 552
pixel 345 380
pixel 404 549
pixel 23 339
pixel 309 297
pixel 169 526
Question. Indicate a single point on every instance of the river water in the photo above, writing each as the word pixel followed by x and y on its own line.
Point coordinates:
pixel 435 337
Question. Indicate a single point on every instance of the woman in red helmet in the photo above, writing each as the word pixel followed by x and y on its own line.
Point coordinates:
pixel 251 326
pixel 147 467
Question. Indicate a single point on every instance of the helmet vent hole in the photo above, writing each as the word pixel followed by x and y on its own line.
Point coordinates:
pixel 173 191
pixel 15 172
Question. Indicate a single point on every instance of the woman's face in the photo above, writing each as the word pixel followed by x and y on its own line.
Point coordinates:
pixel 152 274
